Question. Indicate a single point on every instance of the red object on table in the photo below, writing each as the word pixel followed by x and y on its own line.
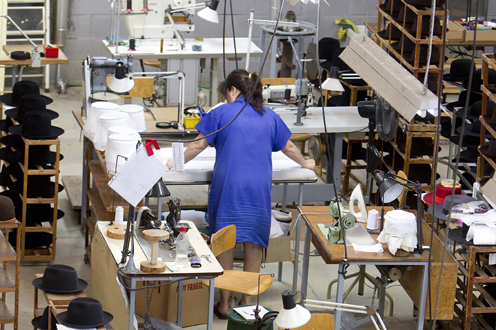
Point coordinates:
pixel 51 52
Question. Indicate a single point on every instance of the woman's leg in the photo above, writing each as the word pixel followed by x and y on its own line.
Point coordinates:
pixel 226 261
pixel 253 262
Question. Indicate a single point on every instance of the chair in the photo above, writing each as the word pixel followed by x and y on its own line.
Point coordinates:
pixel 236 280
pixel 321 321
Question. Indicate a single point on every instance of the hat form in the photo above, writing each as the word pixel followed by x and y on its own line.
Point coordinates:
pixel 441 193
pixel 442 212
pixel 60 279
pixel 29 103
pixel 7 209
pixel 475 110
pixel 23 87
pixel 36 125
pixel 84 313
pixel 94 112
pixel 119 145
pixel 137 114
pixel 41 322
pixel 489 150
pixel 107 120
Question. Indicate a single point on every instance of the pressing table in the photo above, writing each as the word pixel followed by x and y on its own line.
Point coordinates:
pixel 334 254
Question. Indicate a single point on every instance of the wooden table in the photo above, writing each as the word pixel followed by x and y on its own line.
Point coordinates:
pixel 17 65
pixel 335 254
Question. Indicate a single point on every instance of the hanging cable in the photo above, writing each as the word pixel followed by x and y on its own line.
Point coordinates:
pixel 234 34
pixel 223 42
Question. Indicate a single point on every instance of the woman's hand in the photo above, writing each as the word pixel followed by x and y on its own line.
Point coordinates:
pixel 170 164
pixel 309 163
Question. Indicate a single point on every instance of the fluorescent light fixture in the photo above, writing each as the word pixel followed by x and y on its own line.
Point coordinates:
pixel 210 12
pixel 387 77
pixel 120 82
pixel 291 315
pixel 332 83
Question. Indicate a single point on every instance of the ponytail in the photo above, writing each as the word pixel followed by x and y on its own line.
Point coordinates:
pixel 249 86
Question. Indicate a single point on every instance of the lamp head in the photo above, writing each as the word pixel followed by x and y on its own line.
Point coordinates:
pixel 121 83
pixel 210 12
pixel 332 82
pixel 291 315
pixel 158 190
pixel 389 188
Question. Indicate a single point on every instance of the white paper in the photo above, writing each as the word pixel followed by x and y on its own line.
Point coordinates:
pixel 138 175
pixel 63 327
pixel 492 258
pixel 368 248
pixel 248 312
pixel 484 236
pixel 489 216
pixel 178 156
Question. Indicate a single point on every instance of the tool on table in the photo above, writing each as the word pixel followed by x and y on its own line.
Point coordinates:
pixel 167 124
pixel 207 257
pixel 147 219
pixel 357 196
pixel 154 265
pixel 335 235
pixel 195 263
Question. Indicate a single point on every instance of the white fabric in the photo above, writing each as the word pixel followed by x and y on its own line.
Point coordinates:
pixel 368 248
pixel 488 217
pixel 119 145
pixel 275 228
pixel 117 118
pixel 400 231
pixel 95 110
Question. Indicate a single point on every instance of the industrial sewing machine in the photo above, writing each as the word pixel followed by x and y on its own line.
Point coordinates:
pixel 279 93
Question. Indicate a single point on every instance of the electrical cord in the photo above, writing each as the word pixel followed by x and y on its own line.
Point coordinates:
pixel 234 33
pixel 224 41
pixel 120 277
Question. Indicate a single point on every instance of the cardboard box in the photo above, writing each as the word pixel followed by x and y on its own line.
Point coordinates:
pixel 483 36
pixel 456 32
pixel 164 302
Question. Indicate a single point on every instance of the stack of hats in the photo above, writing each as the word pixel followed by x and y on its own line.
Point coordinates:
pixel 27 117
pixel 82 312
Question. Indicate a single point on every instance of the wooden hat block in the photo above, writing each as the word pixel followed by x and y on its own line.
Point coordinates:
pixel 116 231
pixel 153 265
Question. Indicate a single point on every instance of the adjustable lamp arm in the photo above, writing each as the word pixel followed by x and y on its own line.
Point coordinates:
pixel 35 53
pixel 20 30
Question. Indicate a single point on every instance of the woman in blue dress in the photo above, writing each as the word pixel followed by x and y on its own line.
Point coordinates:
pixel 242 175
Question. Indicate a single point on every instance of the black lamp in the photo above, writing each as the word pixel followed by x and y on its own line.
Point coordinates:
pixel 390 188
pixel 159 190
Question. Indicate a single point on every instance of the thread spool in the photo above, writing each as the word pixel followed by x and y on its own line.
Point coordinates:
pixel 373 220
pixel 119 215
pixel 132 44
pixel 287 95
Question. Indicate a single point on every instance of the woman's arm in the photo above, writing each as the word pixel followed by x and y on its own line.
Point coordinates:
pixel 193 150
pixel 294 153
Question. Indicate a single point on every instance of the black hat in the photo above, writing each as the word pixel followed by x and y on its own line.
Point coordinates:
pixel 417 172
pixel 395 33
pixel 467 141
pixel 442 212
pixel 7 209
pixel 21 88
pixel 41 322
pixel 38 155
pixel 475 110
pixel 84 313
pixel 474 97
pixel 36 125
pixel 60 279
pixel 30 103
pixel 410 15
pixel 489 150
pixel 460 70
pixel 477 80
pixel 467 156
pixel 5 179
pixel 12 141
pixel 407 44
pixel 473 129
pixel 490 117
pixel 38 186
pixel 33 240
pixel 395 4
pixel 425 29
pixel 5 124
pixel 327 47
pixel 424 52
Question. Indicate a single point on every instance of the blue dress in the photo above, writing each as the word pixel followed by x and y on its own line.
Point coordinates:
pixel 242 176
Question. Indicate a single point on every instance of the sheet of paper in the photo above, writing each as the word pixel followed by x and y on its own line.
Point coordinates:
pixel 138 176
pixel 368 248
pixel 248 312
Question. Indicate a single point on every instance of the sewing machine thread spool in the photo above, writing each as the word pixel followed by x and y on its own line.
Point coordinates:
pixel 119 215
pixel 132 44
pixel 373 220
pixel 287 95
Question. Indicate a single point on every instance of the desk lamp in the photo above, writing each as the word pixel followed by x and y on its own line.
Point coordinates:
pixel 332 82
pixel 390 188
pixel 289 317
pixel 35 53
pixel 122 81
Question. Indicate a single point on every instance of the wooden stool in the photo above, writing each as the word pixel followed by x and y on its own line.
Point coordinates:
pixel 153 265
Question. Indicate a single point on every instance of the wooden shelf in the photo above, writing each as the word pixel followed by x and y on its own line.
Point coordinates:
pixel 106 194
pixel 5 315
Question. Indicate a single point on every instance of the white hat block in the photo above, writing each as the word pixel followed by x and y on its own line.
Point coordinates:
pixel 107 120
pixel 119 145
pixel 137 114
pixel 95 110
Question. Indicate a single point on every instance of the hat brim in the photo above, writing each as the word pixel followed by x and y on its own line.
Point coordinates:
pixel 469 132
pixel 7 99
pixel 62 318
pixel 38 283
pixel 465 142
pixel 459 114
pixel 485 151
pixel 14 113
pixel 439 212
pixel 18 156
pixel 447 77
pixel 37 322
pixel 488 119
pixel 55 132
pixel 17 187
pixel 428 198
pixel 12 141
pixel 32 220
pixel 5 124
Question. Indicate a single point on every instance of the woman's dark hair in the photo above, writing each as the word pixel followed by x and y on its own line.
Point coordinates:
pixel 245 83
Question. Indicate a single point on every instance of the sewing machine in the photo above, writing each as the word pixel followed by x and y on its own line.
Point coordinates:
pixel 335 235
pixel 276 93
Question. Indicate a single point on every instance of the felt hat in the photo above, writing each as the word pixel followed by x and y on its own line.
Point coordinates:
pixel 327 46
pixel 7 209
pixel 41 322
pixel 475 110
pixel 5 124
pixel 38 155
pixel 407 45
pixel 60 279
pixel 36 125
pixel 425 28
pixel 473 129
pixel 391 4
pixel 33 240
pixel 490 118
pixel 12 141
pixel 477 80
pixel 84 313
pixel 35 213
pixel 424 52
pixel 409 17
pixel 38 186
pixel 489 150
pixel 395 33
pixel 473 97
pixel 467 156
pixel 442 212
pixel 460 70
pixel 467 141
pixel 21 88
pixel 30 103
pixel 5 179
pixel 442 190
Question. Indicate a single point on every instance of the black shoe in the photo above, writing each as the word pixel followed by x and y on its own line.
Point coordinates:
pixel 219 314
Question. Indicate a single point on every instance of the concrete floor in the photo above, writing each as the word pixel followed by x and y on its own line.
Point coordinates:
pixel 70 245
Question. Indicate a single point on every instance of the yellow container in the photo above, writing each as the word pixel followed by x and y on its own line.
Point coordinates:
pixel 191 122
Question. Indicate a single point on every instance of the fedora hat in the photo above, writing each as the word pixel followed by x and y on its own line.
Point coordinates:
pixel 475 110
pixel 36 125
pixel 35 213
pixel 16 199
pixel 424 52
pixel 5 124
pixel 442 212
pixel 60 279
pixel 407 18
pixel 5 179
pixel 41 322
pixel 460 70
pixel 425 26
pixel 474 129
pixel 23 87
pixel 7 209
pixel 443 189
pixel 467 156
pixel 30 103
pixel 391 7
pixel 489 150
pixel 391 28
pixel 84 313
pixel 473 97
pixel 33 240
pixel 38 186
pixel 490 117
pixel 12 141
pixel 477 79
pixel 467 141
pixel 38 155
pixel 407 45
